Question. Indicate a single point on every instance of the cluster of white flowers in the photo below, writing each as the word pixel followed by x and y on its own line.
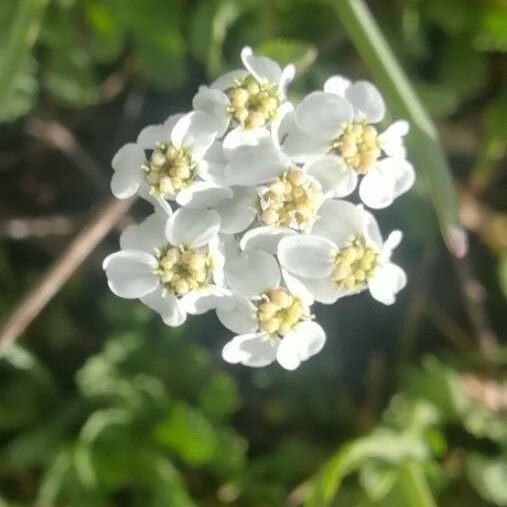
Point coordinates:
pixel 249 218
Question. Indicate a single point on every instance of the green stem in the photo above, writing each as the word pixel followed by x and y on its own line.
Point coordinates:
pixel 414 486
pixel 425 145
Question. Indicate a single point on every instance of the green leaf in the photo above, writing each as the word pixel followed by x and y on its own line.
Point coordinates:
pixel 17 68
pixel 208 29
pixel 188 433
pixel 384 445
pixel 285 51
pixel 426 149
pixel 489 477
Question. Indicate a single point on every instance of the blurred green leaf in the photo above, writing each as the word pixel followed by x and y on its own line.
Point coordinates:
pixel 285 51
pixel 188 433
pixel 426 149
pixel 208 30
pixel 489 477
pixel 17 85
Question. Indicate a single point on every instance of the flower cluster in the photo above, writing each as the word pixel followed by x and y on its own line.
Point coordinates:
pixel 249 218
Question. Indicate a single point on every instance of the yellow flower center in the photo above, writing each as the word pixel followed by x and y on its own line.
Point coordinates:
pixel 292 200
pixel 279 311
pixel 169 169
pixel 183 269
pixel 354 264
pixel 253 104
pixel 357 144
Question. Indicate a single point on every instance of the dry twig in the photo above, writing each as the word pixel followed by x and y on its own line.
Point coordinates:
pixel 81 246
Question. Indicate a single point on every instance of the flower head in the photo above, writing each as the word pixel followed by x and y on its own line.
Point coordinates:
pixel 167 163
pixel 246 100
pixel 271 315
pixel 339 125
pixel 175 265
pixel 343 255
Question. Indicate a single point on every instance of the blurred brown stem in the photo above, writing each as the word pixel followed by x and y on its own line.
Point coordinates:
pixel 63 268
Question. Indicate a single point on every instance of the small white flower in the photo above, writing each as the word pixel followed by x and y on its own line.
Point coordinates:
pixel 167 162
pixel 248 100
pixel 337 124
pixel 284 196
pixel 343 255
pixel 273 320
pixel 175 266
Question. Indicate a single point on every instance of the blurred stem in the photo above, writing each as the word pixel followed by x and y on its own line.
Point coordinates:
pixel 414 486
pixel 425 144
pixel 23 33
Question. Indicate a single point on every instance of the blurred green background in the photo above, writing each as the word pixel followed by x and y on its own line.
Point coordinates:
pixel 102 405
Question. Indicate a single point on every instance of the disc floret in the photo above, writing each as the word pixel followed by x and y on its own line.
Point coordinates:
pixel 354 264
pixel 279 312
pixel 291 200
pixel 252 103
pixel 169 170
pixel 357 144
pixel 182 269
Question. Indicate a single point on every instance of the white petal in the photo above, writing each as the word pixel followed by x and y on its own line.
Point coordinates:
pixel 307 256
pixel 201 301
pixel 287 76
pixel 264 238
pixel 167 306
pixel 216 248
pixel 281 123
pixel 196 131
pixel 297 144
pixel 239 317
pixel 338 221
pixel 336 178
pixel 337 85
pixel 293 283
pixel 324 290
pixel 243 137
pixel 127 166
pixel 253 273
pixel 367 100
pixel 399 172
pixel 391 140
pixel 229 79
pixel 201 194
pixel 376 189
pixel 392 241
pixel 253 165
pixel 386 282
pixel 238 212
pixel 320 114
pixel 251 350
pixel 261 67
pixel 146 236
pixel 192 227
pixel 214 103
pixel 130 274
pixel 306 340
pixel 152 134
pixel 372 230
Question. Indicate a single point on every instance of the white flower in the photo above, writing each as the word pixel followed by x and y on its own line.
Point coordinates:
pixel 267 184
pixel 167 162
pixel 272 320
pixel 248 100
pixel 175 265
pixel 344 254
pixel 337 124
